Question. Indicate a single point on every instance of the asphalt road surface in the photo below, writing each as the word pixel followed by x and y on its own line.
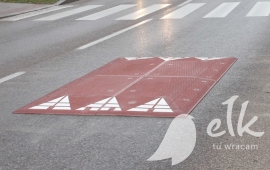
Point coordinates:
pixel 51 48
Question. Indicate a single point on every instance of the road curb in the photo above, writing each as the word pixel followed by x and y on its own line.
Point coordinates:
pixel 23 12
pixel 60 2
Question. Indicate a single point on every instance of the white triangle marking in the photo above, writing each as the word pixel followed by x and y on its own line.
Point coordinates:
pixel 103 101
pixel 113 103
pixel 47 104
pixel 161 106
pixel 56 100
pixel 172 58
pixel 162 102
pixel 137 58
pixel 104 104
pixel 113 100
pixel 145 107
pixel 153 102
pixel 40 107
pixel 95 106
pixel 61 103
pixel 165 59
pixel 206 58
pixel 65 100
pixel 163 110
pixel 137 109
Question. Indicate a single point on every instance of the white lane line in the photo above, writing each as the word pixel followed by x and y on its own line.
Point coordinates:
pixel 184 11
pixel 222 10
pixel 35 13
pixel 260 9
pixel 113 35
pixel 106 12
pixel 68 13
pixel 143 12
pixel 2 80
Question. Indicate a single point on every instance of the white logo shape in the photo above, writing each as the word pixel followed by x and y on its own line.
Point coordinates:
pixel 104 104
pixel 179 140
pixel 215 124
pixel 61 103
pixel 159 105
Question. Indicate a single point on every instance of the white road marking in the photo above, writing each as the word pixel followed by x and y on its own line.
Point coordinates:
pixel 153 102
pixel 61 108
pixel 106 12
pixel 162 107
pixel 113 103
pixel 162 102
pixel 61 103
pixel 96 105
pixel 222 10
pixel 184 3
pixel 260 9
pixel 184 11
pixel 104 104
pixel 143 12
pixel 159 105
pixel 68 13
pixel 113 35
pixel 163 110
pixel 138 109
pixel 35 13
pixel 2 80
pixel 40 107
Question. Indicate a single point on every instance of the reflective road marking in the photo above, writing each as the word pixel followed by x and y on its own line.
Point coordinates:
pixel 112 35
pixel 2 80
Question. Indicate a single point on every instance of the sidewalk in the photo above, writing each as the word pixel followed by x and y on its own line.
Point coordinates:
pixel 10 9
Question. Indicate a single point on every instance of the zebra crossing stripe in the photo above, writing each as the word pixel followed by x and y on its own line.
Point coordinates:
pixel 183 11
pixel 35 13
pixel 222 10
pixel 143 12
pixel 68 13
pixel 184 3
pixel 186 8
pixel 260 9
pixel 106 12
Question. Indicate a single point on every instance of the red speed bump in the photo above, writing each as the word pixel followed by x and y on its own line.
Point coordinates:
pixel 161 87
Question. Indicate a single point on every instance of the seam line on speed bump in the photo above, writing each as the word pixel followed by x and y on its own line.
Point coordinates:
pixel 140 78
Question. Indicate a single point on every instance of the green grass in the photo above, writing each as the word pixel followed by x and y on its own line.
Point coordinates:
pixel 31 1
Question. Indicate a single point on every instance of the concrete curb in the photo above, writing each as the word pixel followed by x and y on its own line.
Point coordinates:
pixel 23 12
pixel 60 2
